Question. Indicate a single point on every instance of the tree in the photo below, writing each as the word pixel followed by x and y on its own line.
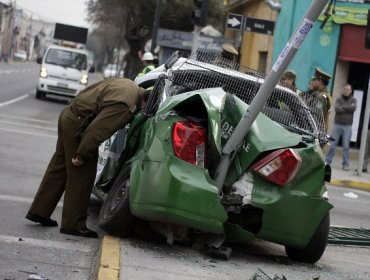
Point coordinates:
pixel 135 18
pixel 102 42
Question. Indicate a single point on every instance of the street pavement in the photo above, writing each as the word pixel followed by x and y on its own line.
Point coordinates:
pixel 109 266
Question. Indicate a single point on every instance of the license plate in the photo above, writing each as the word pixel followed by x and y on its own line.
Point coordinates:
pixel 62 85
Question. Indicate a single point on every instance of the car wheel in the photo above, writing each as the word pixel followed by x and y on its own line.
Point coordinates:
pixel 115 216
pixel 315 248
pixel 40 94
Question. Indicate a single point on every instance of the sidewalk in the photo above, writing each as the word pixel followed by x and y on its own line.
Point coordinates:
pixel 349 179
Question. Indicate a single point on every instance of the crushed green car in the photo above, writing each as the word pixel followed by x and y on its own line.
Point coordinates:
pixel 161 168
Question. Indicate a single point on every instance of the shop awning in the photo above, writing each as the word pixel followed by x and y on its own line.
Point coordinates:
pixel 352 44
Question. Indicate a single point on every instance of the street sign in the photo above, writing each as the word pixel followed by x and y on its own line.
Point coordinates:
pixel 234 21
pixel 259 25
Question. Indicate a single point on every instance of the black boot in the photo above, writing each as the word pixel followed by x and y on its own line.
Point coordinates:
pixel 81 232
pixel 46 222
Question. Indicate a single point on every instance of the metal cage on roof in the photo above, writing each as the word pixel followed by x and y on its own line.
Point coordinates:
pixel 207 70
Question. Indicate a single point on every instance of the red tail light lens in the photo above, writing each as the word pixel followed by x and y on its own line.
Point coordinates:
pixel 189 141
pixel 279 167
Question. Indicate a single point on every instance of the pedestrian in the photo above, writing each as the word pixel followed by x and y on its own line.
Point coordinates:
pixel 344 108
pixel 318 89
pixel 367 150
pixel 148 62
pixel 94 115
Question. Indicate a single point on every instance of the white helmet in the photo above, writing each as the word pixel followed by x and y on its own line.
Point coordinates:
pixel 148 56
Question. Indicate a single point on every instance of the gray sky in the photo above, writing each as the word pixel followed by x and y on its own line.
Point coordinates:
pixel 72 12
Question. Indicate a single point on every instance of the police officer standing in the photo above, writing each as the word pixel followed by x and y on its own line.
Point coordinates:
pixel 318 89
pixel 94 115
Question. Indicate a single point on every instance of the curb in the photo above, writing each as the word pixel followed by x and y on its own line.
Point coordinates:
pixel 350 184
pixel 109 261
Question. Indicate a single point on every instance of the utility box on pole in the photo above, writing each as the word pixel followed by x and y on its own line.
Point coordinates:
pixel 200 14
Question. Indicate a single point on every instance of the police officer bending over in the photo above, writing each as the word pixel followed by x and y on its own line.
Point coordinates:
pixel 93 116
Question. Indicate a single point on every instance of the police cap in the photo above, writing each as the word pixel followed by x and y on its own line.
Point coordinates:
pixel 321 75
pixel 228 51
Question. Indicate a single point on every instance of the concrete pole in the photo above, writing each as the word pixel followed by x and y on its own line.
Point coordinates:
pixel 365 126
pixel 156 26
pixel 196 36
pixel 282 62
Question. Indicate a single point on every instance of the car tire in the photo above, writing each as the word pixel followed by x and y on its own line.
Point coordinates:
pixel 115 215
pixel 315 248
pixel 40 94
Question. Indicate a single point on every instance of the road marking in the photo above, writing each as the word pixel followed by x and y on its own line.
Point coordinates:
pixel 28 119
pixel 28 133
pixel 46 243
pixel 28 125
pixel 109 265
pixel 6 72
pixel 21 199
pixel 14 100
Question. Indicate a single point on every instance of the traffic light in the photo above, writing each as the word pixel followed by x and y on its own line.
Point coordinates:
pixel 367 34
pixel 200 13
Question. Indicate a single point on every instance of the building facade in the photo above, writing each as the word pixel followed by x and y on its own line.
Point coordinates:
pixel 338 49
pixel 256 49
pixel 7 23
pixel 20 31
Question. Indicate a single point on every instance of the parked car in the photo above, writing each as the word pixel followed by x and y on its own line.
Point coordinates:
pixel 162 167
pixel 20 55
pixel 111 70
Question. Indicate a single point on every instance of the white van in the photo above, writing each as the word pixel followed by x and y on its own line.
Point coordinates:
pixel 63 72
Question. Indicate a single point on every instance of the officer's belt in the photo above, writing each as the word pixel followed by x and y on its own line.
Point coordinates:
pixel 86 122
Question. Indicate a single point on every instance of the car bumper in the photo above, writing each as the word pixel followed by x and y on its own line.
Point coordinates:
pixel 176 192
pixel 59 87
pixel 180 193
pixel 292 219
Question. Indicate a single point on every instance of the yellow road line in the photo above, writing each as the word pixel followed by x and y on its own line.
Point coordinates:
pixel 110 258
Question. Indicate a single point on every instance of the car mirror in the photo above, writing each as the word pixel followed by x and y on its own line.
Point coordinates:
pixel 92 69
pixel 39 60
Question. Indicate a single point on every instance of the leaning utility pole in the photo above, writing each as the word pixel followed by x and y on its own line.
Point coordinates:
pixel 265 91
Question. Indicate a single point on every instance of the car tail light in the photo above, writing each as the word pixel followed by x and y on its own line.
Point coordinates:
pixel 279 167
pixel 189 141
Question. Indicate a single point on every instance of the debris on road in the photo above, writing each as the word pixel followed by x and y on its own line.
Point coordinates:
pixel 260 275
pixel 36 277
pixel 350 195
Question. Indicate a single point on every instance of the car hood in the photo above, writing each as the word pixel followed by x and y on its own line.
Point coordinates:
pixel 64 72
